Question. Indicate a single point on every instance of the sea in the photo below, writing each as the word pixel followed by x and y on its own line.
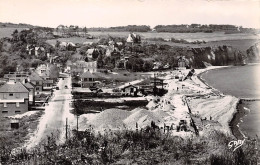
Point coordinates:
pixel 242 82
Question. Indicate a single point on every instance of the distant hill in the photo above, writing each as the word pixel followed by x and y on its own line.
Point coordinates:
pixel 193 28
pixel 13 25
pixel 128 28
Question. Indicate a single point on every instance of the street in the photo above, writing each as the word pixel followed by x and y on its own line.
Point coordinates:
pixel 53 122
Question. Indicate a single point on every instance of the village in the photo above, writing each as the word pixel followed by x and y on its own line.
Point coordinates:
pixel 107 86
pixel 91 79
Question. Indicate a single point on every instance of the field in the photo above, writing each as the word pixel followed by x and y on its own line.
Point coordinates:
pixel 74 40
pixel 241 42
pixel 6 32
pixel 217 36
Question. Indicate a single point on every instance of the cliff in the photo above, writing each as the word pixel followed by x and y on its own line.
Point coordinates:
pixel 253 53
pixel 221 55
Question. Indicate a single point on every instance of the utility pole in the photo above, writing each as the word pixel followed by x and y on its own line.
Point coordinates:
pixel 77 123
pixel 154 88
pixel 66 128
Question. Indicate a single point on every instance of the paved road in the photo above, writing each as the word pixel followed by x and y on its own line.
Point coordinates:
pixel 54 119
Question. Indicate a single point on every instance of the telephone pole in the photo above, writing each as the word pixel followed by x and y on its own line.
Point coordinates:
pixel 66 128
pixel 77 123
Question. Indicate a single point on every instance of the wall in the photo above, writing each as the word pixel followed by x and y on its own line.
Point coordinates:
pixel 11 108
pixel 21 95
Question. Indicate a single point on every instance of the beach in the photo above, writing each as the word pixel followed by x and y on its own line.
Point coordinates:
pixel 188 100
pixel 241 82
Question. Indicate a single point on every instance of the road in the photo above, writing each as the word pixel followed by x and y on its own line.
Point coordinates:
pixel 53 122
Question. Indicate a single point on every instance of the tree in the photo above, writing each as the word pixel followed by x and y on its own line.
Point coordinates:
pixel 36 62
pixel 100 62
pixel 15 35
pixel 148 66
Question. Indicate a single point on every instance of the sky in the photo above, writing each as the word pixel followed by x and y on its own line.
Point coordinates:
pixel 108 13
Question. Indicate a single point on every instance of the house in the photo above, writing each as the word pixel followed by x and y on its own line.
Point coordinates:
pixel 14 99
pixel 157 65
pixel 92 53
pixel 34 50
pixel 49 74
pixel 31 89
pixel 129 90
pixel 133 38
pixel 79 67
pixel 17 76
pixel 37 81
pixel 88 79
pixel 182 62
pixel 38 50
pixel 67 46
pixel 68 66
pixel 112 51
pixel 43 70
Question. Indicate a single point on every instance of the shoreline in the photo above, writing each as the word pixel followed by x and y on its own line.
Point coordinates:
pixel 234 123
pixel 237 115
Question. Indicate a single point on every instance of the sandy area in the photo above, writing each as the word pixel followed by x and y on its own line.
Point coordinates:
pixel 171 108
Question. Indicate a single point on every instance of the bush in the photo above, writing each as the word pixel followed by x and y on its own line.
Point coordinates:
pixel 146 146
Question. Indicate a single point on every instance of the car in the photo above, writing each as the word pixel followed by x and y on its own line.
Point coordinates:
pixel 57 88
pixel 66 87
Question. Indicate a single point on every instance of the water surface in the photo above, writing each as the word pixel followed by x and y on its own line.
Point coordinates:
pixel 241 82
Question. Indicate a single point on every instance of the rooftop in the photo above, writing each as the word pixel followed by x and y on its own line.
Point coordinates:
pixel 14 88
pixel 88 75
pixel 35 77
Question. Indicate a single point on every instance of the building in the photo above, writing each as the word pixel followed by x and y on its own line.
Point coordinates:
pixel 37 81
pixel 68 66
pixel 183 62
pixel 43 71
pixel 49 74
pixel 17 76
pixel 14 99
pixel 34 50
pixel 133 38
pixel 92 53
pixel 88 79
pixel 79 67
pixel 31 89
pixel 129 90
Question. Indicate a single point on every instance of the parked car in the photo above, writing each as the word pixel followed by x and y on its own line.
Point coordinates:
pixel 57 88
pixel 66 87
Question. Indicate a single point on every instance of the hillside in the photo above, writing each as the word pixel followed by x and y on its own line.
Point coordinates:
pixel 148 146
pixel 13 25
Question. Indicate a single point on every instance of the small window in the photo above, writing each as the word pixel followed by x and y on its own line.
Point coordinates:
pixel 17 111
pixel 17 104
pixel 11 94
pixel 5 105
pixel 37 88
pixel 5 112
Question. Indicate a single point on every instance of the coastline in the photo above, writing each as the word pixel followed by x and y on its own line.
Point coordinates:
pixel 234 123
pixel 238 113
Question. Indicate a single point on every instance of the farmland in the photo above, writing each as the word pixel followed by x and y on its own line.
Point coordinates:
pixel 6 32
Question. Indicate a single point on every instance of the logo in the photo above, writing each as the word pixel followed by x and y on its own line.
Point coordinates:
pixel 235 144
